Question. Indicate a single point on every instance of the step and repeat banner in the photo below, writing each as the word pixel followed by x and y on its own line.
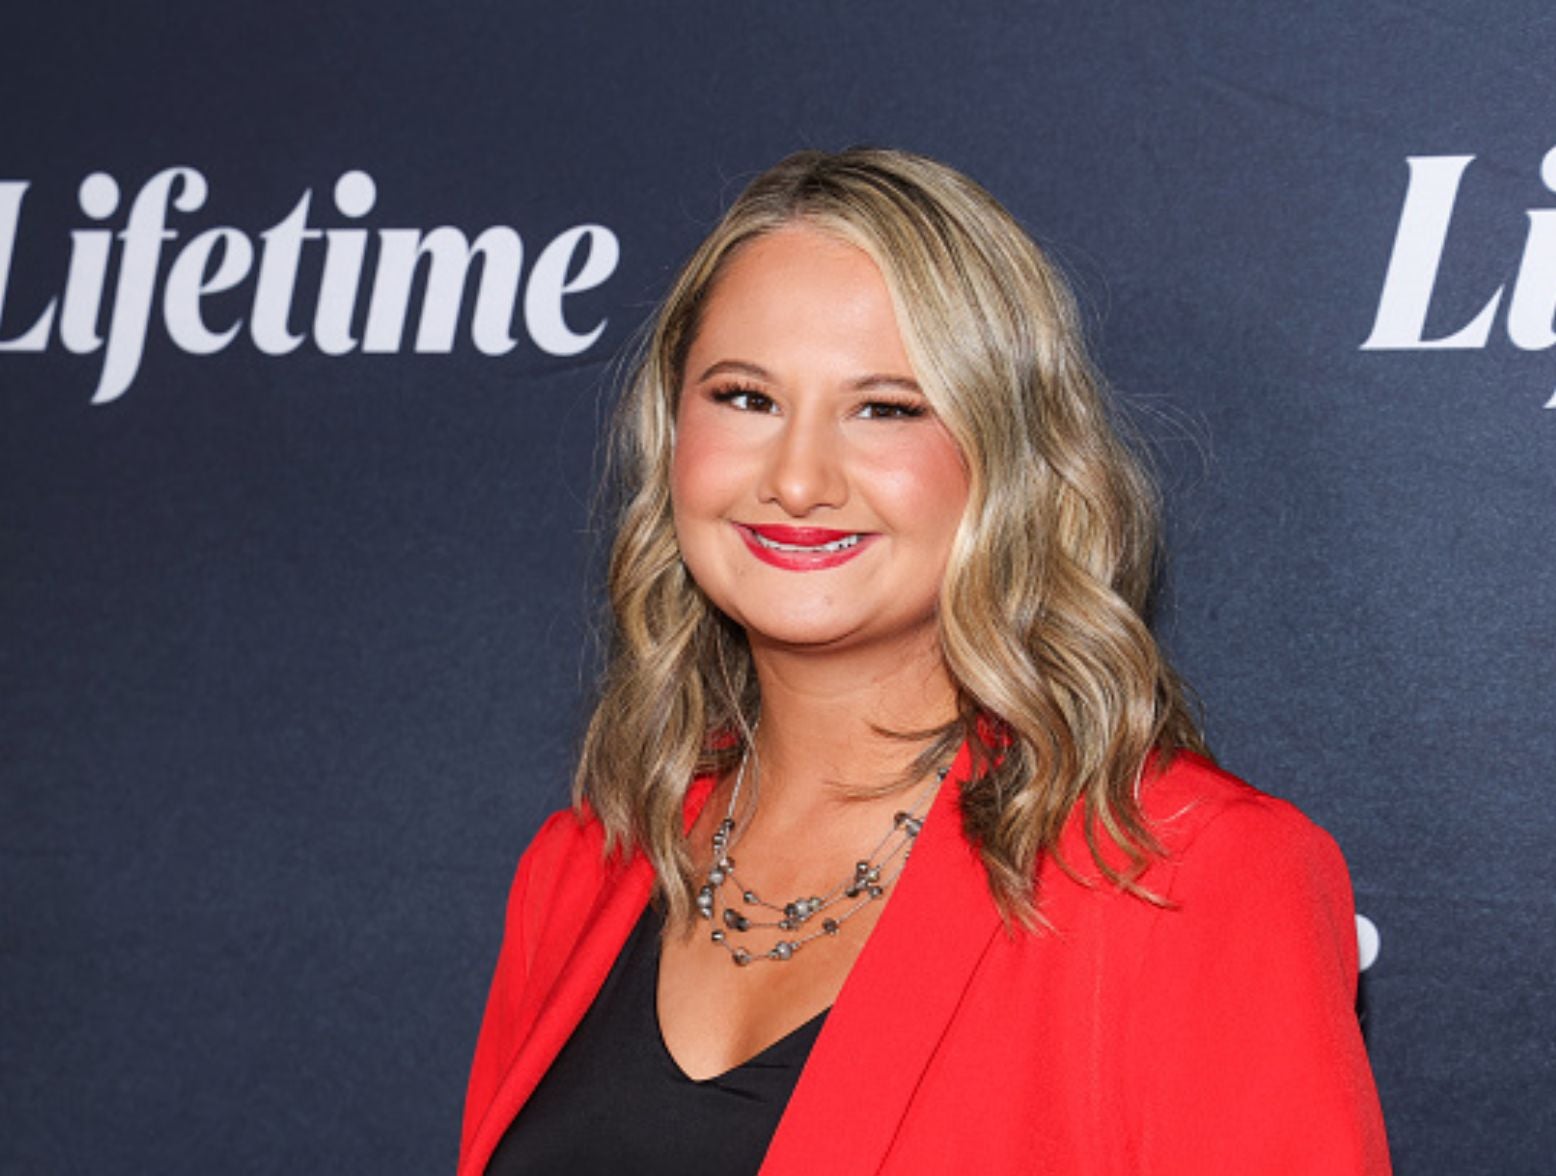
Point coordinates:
pixel 310 318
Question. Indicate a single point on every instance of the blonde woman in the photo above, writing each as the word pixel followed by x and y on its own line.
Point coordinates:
pixel 895 847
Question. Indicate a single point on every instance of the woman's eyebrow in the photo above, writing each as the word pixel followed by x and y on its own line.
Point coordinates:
pixel 875 381
pixel 736 366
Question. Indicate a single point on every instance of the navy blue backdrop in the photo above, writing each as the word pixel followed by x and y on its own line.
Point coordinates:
pixel 294 540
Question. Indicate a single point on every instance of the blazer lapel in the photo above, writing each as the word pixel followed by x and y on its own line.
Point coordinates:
pixel 895 1005
pixel 609 922
pixel 601 932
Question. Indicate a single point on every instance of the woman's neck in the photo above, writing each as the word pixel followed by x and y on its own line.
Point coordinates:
pixel 821 742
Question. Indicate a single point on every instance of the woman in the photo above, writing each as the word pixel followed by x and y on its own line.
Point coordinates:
pixel 877 590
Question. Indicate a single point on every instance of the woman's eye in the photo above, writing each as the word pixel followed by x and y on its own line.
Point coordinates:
pixel 890 410
pixel 745 399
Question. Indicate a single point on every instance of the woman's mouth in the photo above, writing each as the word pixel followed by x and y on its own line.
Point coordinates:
pixel 802 549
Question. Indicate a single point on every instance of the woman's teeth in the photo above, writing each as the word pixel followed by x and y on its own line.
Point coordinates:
pixel 842 544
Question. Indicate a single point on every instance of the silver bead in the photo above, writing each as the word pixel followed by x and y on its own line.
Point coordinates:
pixel 782 950
pixel 750 898
pixel 741 957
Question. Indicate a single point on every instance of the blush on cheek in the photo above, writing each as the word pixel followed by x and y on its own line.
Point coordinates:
pixel 684 482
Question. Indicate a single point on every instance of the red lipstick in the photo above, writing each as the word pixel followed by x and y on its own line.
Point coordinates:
pixel 796 536
pixel 802 549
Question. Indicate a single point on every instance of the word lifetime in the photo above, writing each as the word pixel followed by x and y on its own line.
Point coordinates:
pixel 219 259
pixel 1418 250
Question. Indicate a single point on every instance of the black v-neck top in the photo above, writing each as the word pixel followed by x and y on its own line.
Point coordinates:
pixel 615 1100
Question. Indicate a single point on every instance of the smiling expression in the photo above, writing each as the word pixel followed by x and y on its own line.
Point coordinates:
pixel 815 492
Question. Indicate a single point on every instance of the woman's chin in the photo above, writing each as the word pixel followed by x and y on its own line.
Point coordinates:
pixel 819 637
pixel 835 635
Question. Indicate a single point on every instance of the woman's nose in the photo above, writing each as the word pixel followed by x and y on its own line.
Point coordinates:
pixel 804 470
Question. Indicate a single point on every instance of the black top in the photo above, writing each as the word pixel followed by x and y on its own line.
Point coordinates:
pixel 615 1101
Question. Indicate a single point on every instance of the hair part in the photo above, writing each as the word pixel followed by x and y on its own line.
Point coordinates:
pixel 1063 691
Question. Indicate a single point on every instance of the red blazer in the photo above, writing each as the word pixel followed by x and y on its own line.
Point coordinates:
pixel 1215 1035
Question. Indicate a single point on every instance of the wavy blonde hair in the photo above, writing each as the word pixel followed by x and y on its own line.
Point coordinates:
pixel 1041 610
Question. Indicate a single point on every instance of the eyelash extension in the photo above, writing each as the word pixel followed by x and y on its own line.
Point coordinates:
pixel 897 409
pixel 903 409
pixel 726 394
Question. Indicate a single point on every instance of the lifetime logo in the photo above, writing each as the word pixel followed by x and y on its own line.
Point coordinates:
pixel 1418 251
pixel 219 259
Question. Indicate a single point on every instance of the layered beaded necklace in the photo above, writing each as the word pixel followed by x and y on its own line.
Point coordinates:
pixel 871 877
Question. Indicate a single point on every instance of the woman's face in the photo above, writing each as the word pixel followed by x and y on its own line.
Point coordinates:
pixel 815 492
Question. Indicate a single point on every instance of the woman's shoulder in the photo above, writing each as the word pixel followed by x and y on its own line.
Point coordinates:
pixel 1226 844
pixel 1213 832
pixel 570 856
pixel 564 832
pixel 1191 800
